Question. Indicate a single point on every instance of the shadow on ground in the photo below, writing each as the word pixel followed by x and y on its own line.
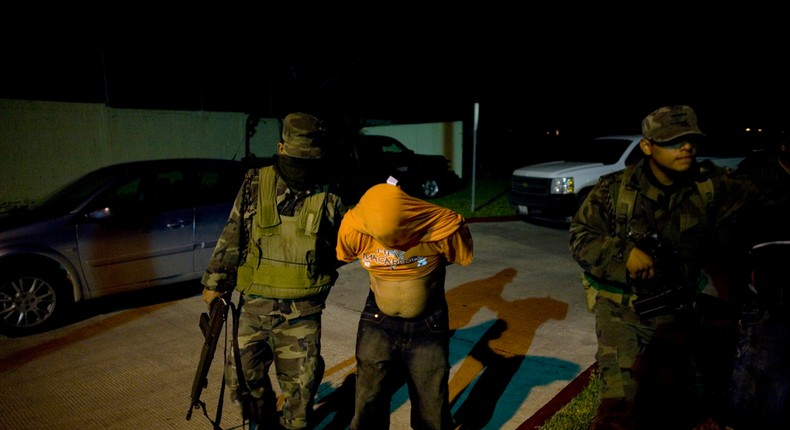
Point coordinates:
pixel 87 309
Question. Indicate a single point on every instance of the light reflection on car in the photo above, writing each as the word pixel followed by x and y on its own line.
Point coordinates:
pixel 117 229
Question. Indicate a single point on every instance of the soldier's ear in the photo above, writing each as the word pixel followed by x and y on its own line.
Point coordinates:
pixel 280 148
pixel 646 147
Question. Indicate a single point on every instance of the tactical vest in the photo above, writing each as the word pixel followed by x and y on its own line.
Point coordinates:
pixel 626 198
pixel 623 202
pixel 281 252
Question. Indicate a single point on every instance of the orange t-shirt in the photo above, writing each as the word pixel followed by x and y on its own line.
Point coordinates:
pixel 399 237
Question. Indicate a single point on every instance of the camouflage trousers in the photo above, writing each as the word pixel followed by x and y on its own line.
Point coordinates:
pixel 649 378
pixel 276 332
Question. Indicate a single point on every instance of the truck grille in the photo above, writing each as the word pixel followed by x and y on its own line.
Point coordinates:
pixel 532 186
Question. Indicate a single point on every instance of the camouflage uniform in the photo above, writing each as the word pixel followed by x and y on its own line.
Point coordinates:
pixel 601 243
pixel 759 392
pixel 284 331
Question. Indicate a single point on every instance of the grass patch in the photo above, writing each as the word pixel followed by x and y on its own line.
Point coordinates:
pixel 579 412
pixel 490 199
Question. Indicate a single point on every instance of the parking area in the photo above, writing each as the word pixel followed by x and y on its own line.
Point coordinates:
pixel 522 333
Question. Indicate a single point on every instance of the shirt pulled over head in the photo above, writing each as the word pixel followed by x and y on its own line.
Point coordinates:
pixel 400 221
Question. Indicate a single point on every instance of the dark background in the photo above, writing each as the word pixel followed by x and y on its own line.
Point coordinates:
pixel 530 74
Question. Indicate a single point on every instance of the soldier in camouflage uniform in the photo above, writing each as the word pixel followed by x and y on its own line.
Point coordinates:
pixel 647 366
pixel 759 392
pixel 277 251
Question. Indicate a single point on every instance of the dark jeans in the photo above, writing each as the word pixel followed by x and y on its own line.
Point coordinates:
pixel 758 394
pixel 392 350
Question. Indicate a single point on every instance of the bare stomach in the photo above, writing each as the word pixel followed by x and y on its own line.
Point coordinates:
pixel 404 299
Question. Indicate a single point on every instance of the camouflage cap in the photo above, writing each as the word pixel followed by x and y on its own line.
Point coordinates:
pixel 303 135
pixel 669 123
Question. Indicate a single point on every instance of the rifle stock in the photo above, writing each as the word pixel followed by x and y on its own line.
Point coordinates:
pixel 211 326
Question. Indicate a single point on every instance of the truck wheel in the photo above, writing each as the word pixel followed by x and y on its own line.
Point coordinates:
pixel 32 300
pixel 430 188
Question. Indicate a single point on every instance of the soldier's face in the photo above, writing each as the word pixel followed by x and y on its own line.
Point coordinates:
pixel 678 157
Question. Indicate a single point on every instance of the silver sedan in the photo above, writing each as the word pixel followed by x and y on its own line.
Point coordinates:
pixel 119 228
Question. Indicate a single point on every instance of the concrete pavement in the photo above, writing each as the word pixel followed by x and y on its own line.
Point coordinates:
pixel 522 334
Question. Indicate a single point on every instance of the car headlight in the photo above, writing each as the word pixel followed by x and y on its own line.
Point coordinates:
pixel 562 186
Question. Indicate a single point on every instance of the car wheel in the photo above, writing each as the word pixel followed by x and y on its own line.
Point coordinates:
pixel 32 300
pixel 430 188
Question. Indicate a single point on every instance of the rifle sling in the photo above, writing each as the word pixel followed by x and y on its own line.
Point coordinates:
pixel 247 402
pixel 218 417
pixel 222 384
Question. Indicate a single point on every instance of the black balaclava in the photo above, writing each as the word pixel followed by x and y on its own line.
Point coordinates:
pixel 301 174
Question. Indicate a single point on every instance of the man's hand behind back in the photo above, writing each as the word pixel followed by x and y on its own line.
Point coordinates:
pixel 210 295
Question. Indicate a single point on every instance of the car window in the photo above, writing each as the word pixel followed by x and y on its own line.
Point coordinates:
pixel 149 192
pixel 125 196
pixel 369 149
pixel 168 191
pixel 67 198
pixel 391 147
pixel 122 200
pixel 218 185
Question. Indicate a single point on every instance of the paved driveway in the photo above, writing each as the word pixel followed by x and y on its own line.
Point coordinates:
pixel 522 333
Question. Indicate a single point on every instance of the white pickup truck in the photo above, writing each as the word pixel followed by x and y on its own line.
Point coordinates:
pixel 553 190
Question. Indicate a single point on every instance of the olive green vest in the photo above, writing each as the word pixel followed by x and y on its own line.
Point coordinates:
pixel 281 261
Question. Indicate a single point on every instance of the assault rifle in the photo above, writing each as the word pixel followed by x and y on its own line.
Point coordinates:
pixel 211 326
pixel 666 293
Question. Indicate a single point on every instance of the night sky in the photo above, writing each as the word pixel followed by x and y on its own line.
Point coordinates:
pixel 599 80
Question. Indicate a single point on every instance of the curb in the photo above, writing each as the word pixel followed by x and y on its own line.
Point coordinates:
pixel 562 398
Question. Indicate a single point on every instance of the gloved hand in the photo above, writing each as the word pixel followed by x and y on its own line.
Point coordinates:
pixel 210 295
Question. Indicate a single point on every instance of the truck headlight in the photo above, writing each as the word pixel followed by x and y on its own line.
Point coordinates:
pixel 562 186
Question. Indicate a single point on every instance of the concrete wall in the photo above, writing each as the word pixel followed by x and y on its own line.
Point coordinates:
pixel 433 138
pixel 44 145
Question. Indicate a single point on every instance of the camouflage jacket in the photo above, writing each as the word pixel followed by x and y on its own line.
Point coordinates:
pixel 682 217
pixel 231 248
pixel 768 219
pixel 764 221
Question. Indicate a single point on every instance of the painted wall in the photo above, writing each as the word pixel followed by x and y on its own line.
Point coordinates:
pixel 45 145
pixel 433 139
